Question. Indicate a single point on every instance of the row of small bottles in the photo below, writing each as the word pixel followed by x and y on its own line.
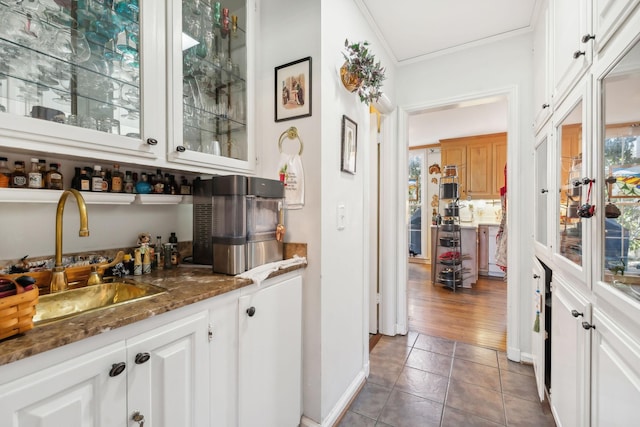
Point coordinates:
pixel 90 179
pixel 114 181
pixel 152 257
pixel 37 177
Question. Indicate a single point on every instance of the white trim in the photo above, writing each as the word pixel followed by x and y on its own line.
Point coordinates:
pixel 399 262
pixel 341 405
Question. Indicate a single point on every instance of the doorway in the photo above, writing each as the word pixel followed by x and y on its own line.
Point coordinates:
pixel 485 303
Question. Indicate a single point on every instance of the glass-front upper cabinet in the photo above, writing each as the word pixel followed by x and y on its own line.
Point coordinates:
pixel 208 71
pixel 619 148
pixel 541 190
pixel 572 189
pixel 71 74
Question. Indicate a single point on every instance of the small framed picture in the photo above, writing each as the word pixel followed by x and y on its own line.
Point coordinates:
pixel 293 90
pixel 414 193
pixel 349 145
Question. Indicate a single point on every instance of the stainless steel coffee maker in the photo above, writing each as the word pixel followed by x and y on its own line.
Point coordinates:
pixel 235 220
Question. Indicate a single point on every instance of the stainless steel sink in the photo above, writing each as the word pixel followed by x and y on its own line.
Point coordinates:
pixel 62 305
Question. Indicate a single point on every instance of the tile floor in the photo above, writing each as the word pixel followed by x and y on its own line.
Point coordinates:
pixel 419 380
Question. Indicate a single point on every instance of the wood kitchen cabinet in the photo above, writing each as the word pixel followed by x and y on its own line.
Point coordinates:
pixel 480 160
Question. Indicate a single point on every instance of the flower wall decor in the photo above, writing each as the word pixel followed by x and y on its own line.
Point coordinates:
pixel 361 73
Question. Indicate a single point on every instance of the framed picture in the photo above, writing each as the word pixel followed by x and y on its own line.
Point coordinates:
pixel 349 145
pixel 414 194
pixel 293 90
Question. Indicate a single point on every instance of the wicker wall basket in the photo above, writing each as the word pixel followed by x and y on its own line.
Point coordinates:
pixel 17 311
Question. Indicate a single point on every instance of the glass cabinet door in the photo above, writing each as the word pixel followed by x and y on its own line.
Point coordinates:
pixel 541 191
pixel 75 63
pixel 210 83
pixel 619 231
pixel 572 192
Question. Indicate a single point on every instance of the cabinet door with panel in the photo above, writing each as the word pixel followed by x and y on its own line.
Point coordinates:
pixel 615 385
pixel 223 359
pixel 270 355
pixel 479 170
pixel 88 77
pixel 456 154
pixel 499 156
pixel 168 374
pixel 85 391
pixel 483 252
pixel 541 67
pixel 570 356
pixel 572 51
pixel 538 336
pixel 608 16
pixel 211 61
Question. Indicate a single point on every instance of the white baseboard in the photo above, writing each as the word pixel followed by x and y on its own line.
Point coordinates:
pixel 340 406
pixel 514 354
pixel 526 358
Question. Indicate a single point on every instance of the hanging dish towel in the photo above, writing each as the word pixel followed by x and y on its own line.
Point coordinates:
pixel 291 172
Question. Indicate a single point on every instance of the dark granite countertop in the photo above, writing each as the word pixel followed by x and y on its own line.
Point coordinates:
pixel 185 285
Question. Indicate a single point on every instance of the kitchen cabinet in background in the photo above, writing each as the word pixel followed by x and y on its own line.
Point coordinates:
pixel 480 160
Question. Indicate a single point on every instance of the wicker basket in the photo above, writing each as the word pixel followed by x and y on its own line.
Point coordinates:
pixel 16 312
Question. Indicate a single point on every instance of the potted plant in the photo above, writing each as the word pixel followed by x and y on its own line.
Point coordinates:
pixel 361 73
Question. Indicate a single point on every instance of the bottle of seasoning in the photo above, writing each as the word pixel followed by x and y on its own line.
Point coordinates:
pixel 128 182
pixel 53 179
pixel 84 180
pixel 158 183
pixel 96 178
pixel 159 253
pixel 5 173
pixel 42 167
pixel 117 181
pixel 185 187
pixel 106 180
pixel 18 176
pixel 143 186
pixel 75 181
pixel 168 250
pixel 175 255
pixel 35 176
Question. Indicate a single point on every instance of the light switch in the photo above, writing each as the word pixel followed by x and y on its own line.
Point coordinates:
pixel 341 217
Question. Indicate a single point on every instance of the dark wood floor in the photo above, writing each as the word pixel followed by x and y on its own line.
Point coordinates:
pixel 476 316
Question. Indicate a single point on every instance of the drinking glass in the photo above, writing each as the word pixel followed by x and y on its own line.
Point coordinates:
pixel 71 45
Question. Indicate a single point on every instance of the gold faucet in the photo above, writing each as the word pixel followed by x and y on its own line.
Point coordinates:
pixel 59 276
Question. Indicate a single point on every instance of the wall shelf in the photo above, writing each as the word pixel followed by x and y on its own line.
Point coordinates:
pixel 30 195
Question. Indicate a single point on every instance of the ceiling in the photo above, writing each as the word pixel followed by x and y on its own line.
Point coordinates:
pixel 413 30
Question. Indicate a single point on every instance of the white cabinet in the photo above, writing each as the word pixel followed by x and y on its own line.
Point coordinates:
pixel 223 359
pixel 88 93
pixel 210 83
pixel 615 381
pixel 608 16
pixel 270 355
pixel 570 356
pixel 142 95
pixel 162 374
pixel 79 392
pixel 572 48
pixel 541 72
pixel 168 373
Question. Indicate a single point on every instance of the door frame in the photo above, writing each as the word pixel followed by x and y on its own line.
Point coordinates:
pixel 394 268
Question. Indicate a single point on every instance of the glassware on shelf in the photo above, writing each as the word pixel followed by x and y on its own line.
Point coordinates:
pixel 70 45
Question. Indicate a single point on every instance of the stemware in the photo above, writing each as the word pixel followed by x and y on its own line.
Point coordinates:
pixel 71 45
pixel 24 29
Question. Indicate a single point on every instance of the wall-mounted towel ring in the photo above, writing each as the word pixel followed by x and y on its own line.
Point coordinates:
pixel 291 133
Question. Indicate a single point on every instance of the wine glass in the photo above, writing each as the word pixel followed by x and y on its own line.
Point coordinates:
pixel 71 45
